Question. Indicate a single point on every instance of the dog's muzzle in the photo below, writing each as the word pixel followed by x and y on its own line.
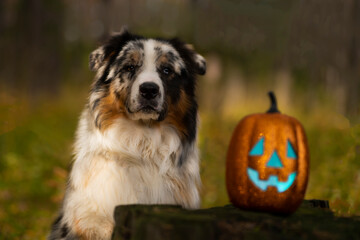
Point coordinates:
pixel 148 102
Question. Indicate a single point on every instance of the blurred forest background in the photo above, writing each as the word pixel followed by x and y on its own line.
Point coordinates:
pixel 307 51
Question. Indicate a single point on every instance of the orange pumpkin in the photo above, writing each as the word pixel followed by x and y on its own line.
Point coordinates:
pixel 268 162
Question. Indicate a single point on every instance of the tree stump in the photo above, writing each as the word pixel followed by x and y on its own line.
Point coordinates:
pixel 313 220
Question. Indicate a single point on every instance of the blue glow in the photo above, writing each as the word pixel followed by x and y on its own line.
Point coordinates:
pixel 290 153
pixel 258 149
pixel 272 181
pixel 274 161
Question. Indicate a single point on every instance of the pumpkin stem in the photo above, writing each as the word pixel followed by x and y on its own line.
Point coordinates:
pixel 273 108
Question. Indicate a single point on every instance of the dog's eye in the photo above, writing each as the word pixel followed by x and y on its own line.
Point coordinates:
pixel 166 71
pixel 130 68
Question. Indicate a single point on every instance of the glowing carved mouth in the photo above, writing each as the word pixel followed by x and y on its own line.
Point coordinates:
pixel 272 181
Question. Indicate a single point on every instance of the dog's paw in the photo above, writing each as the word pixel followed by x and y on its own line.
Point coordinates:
pixel 98 228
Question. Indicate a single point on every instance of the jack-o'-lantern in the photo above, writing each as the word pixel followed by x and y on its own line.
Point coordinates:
pixel 268 162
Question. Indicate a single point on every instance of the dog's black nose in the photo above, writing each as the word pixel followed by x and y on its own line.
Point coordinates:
pixel 149 90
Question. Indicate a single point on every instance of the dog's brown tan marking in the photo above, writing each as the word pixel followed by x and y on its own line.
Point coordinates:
pixel 135 56
pixel 177 112
pixel 109 57
pixel 169 59
pixel 79 232
pixel 111 107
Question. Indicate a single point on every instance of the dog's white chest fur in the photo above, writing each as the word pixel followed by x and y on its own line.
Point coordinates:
pixel 128 164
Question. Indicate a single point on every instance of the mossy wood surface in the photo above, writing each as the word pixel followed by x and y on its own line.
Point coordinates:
pixel 313 220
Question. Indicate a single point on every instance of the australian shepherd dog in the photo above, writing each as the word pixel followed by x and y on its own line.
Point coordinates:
pixel 136 138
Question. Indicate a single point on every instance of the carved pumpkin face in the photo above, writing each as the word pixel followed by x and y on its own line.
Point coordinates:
pixel 274 162
pixel 267 163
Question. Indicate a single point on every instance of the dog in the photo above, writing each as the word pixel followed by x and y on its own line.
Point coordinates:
pixel 136 138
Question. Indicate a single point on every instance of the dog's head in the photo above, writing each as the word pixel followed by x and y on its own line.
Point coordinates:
pixel 144 80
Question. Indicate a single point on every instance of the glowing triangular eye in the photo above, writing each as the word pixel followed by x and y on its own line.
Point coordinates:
pixel 258 149
pixel 274 161
pixel 290 153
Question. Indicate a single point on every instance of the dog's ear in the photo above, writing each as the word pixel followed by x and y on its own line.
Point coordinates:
pixel 200 62
pixel 96 58
pixel 194 61
pixel 112 46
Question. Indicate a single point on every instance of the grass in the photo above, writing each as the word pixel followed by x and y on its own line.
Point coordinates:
pixel 35 153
